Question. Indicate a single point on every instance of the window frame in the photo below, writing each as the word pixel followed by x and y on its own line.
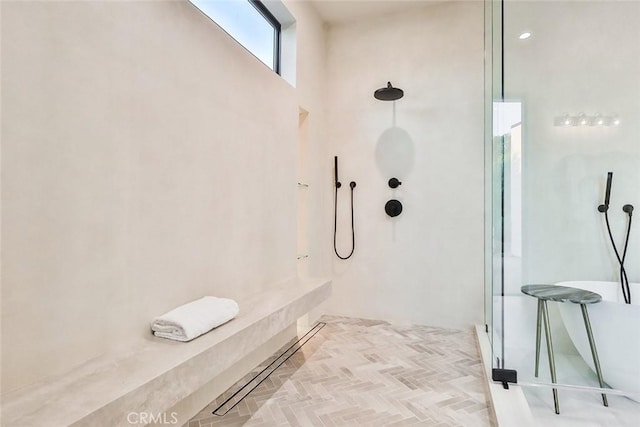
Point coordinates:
pixel 277 27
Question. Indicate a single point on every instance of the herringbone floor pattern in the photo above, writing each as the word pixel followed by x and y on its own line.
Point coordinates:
pixel 358 372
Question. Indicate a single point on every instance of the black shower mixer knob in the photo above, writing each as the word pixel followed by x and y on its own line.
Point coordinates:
pixel 393 208
pixel 394 183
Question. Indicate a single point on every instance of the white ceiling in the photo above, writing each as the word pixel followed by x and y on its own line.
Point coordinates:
pixel 338 11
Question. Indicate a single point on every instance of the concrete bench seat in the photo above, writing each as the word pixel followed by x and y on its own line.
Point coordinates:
pixel 159 373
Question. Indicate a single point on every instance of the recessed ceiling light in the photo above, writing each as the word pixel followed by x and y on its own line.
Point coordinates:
pixel 524 35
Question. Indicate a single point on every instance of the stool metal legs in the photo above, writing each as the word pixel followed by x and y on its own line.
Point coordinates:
pixel 543 317
pixel 552 363
pixel 594 353
pixel 538 328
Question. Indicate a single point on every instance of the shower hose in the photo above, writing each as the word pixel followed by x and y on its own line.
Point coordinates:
pixel 335 223
pixel 624 281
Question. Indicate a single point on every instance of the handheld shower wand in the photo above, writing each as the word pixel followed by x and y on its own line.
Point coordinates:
pixel 338 184
pixel 607 195
pixel 628 209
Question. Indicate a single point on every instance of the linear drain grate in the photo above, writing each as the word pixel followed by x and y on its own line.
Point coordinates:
pixel 254 382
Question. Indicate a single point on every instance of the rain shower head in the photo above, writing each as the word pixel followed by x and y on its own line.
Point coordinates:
pixel 388 93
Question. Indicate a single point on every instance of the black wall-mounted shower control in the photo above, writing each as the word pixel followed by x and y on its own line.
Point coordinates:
pixel 394 183
pixel 620 256
pixel 393 208
pixel 338 184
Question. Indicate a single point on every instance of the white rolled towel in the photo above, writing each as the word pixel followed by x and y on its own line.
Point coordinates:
pixel 193 319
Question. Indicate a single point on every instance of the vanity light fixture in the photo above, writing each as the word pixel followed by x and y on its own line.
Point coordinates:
pixel 584 120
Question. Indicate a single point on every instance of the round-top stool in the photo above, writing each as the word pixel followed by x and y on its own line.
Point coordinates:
pixel 562 294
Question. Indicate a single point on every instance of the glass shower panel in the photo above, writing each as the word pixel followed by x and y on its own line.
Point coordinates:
pixel 488 255
pixel 507 200
pixel 494 189
pixel 565 96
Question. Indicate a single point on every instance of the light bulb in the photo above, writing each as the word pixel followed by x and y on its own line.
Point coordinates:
pixel 597 120
pixel 524 35
pixel 565 119
pixel 582 119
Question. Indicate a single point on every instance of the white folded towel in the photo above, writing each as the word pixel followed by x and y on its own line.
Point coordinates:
pixel 193 319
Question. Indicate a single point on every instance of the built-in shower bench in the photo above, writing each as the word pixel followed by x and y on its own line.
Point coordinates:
pixel 160 373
